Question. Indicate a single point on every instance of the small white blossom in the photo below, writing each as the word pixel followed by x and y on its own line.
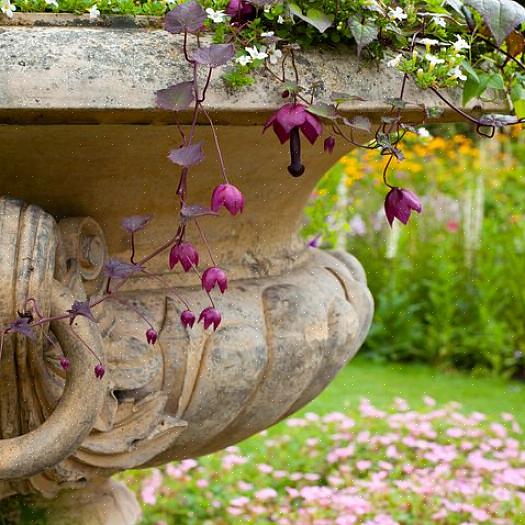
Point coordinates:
pixel 243 60
pixel 268 34
pixel 274 55
pixel 439 21
pixel 397 14
pixel 280 20
pixel 372 5
pixel 52 3
pixel 424 133
pixel 434 60
pixel 216 16
pixel 94 13
pixel 7 8
pixel 256 54
pixel 429 42
pixel 457 73
pixel 394 62
pixel 267 8
pixel 460 44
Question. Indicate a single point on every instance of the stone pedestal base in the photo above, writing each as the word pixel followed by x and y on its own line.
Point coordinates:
pixel 110 503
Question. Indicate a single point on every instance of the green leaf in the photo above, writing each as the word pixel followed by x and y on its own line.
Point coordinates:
pixel 314 17
pixel 323 110
pixel 364 33
pixel 517 95
pixel 501 16
pixel 496 82
pixel 476 85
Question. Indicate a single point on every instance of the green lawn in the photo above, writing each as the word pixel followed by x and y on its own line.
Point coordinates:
pixel 382 382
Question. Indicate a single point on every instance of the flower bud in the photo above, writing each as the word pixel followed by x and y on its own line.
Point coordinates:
pixel 187 318
pixel 151 336
pixel 329 144
pixel 64 363
pixel 229 196
pixel 99 371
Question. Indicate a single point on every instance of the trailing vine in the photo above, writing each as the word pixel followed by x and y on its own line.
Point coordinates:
pixel 475 45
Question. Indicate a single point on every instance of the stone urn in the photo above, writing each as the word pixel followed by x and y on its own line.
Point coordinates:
pixel 83 146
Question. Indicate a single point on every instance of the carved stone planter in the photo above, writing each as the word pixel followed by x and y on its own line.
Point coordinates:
pixel 84 142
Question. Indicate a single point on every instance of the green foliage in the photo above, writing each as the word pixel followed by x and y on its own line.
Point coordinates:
pixel 447 287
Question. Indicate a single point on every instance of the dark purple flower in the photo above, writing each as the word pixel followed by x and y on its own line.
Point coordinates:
pixel 240 11
pixel 64 363
pixel 22 326
pixel 187 318
pixel 151 336
pixel 291 116
pixel 329 144
pixel 229 196
pixel 315 242
pixel 210 316
pixel 82 308
pixel 99 371
pixel 214 276
pixel 135 223
pixel 399 203
pixel 186 254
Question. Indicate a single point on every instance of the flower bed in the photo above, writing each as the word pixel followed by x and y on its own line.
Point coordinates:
pixel 368 465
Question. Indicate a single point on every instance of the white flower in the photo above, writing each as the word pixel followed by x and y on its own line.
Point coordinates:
pixel 394 62
pixel 460 44
pixel 243 60
pixel 280 20
pixel 216 16
pixel 434 60
pixel 267 8
pixel 256 54
pixel 439 21
pixel 94 13
pixel 7 8
pixel 52 3
pixel 397 14
pixel 456 73
pixel 424 133
pixel 429 42
pixel 268 34
pixel 274 54
pixel 372 5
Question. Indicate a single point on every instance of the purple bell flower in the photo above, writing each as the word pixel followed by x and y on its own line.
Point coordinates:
pixel 99 371
pixel 187 318
pixel 294 116
pixel 210 316
pixel 214 276
pixel 151 336
pixel 186 254
pixel 229 196
pixel 240 11
pixel 329 144
pixel 64 363
pixel 400 203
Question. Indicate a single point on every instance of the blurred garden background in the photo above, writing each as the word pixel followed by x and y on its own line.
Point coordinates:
pixel 424 427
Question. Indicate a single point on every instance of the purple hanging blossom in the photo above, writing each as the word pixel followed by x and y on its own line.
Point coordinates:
pixel 186 254
pixel 399 203
pixel 210 316
pixel 151 336
pixel 214 276
pixel 187 318
pixel 229 196
pixel 294 116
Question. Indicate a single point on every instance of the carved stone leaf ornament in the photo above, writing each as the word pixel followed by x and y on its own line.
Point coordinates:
pixel 501 16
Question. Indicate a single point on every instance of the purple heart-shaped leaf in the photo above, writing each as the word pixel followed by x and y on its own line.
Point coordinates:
pixel 215 55
pixel 177 97
pixel 187 156
pixel 189 17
